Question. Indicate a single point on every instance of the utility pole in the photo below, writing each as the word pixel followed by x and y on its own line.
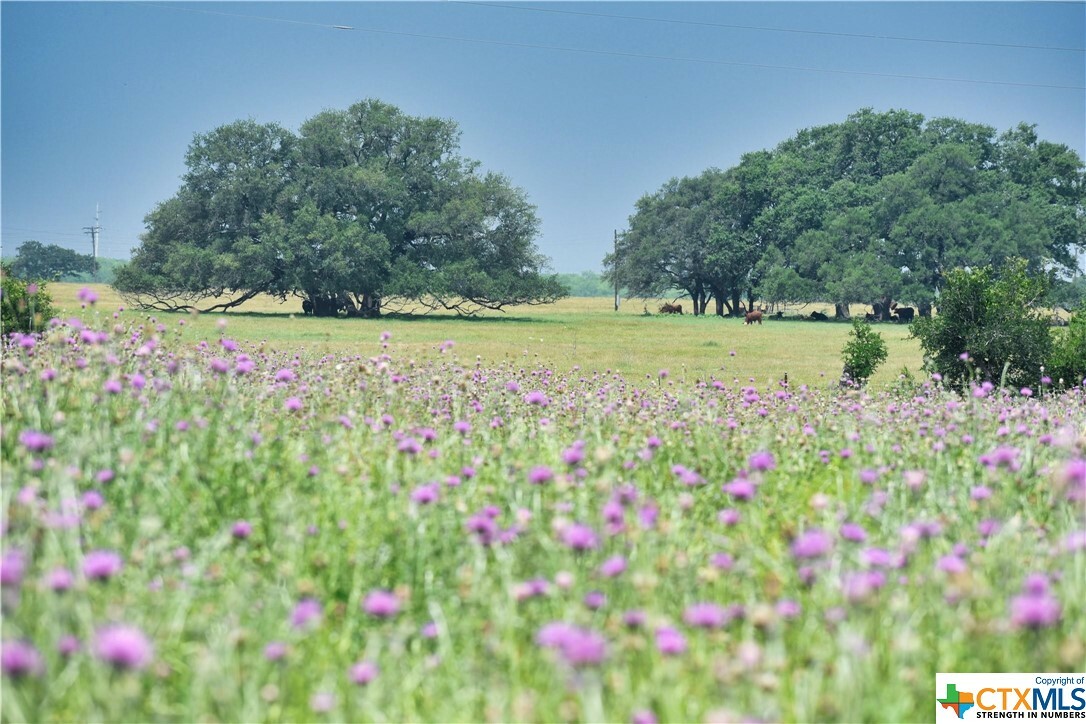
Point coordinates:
pixel 94 231
pixel 616 270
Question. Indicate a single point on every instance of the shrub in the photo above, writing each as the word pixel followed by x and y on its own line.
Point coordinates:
pixel 988 325
pixel 1068 360
pixel 24 306
pixel 863 353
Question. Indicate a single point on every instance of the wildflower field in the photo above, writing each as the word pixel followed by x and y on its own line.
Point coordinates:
pixel 215 529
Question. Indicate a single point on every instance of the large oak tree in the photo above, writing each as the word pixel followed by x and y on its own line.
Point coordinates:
pixel 881 206
pixel 362 210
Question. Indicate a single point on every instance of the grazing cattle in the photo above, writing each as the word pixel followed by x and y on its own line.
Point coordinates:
pixel 871 317
pixel 819 316
pixel 666 308
pixel 752 317
pixel 905 314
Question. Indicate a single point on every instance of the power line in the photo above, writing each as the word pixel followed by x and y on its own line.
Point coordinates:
pixel 641 56
pixel 39 231
pixel 769 29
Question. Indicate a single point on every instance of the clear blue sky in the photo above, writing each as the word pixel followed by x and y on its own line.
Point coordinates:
pixel 101 99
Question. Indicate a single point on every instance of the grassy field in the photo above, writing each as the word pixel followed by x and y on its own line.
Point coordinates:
pixel 233 530
pixel 584 332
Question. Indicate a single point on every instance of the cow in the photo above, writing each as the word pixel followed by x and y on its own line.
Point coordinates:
pixel 307 307
pixel 905 314
pixel 871 317
pixel 667 308
pixel 752 317
pixel 819 316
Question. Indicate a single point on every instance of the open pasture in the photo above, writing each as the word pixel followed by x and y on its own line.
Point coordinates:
pixel 224 530
pixel 584 332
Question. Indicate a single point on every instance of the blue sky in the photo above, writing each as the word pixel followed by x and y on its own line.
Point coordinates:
pixel 100 100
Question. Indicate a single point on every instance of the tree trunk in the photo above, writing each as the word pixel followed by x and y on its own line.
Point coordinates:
pixel 882 308
pixel 736 302
pixel 370 306
pixel 840 311
pixel 719 305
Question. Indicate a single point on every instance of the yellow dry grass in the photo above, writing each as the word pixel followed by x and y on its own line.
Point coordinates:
pixel 585 332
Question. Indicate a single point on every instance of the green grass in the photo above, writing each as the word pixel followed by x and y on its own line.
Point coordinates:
pixel 584 332
pixel 968 497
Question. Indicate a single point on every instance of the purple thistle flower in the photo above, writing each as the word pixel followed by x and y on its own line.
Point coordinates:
pixel 275 651
pixel 381 604
pixel 980 492
pixel 307 612
pixel 483 526
pixel 285 375
pixel 787 608
pixel 105 476
pixel 59 579
pixel 1035 611
pixel 68 645
pixel 705 615
pixel 853 532
pixel 583 647
pixel 643 716
pixel 19 659
pixel 722 561
pixel 762 461
pixel 877 557
pixel 740 489
pixel 535 397
pixel 87 295
pixel 93 500
pixel 580 537
pixel 634 619
pixel 540 474
pixel 12 567
pixel 101 565
pixel 813 543
pixel 426 494
pixel 554 634
pixel 409 446
pixel 573 454
pixel 729 516
pixel 35 440
pixel 293 404
pixel 595 600
pixel 614 566
pixel 241 529
pixel 669 641
pixel 364 672
pixel 531 589
pixel 123 647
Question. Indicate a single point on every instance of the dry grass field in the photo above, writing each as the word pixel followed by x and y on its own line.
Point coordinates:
pixel 584 332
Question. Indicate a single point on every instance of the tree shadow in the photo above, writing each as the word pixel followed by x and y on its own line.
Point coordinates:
pixel 391 316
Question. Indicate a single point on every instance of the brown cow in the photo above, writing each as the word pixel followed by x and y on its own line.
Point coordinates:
pixel 667 308
pixel 753 317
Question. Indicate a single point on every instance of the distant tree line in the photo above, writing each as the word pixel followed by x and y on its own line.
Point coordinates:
pixel 880 207
pixel 363 210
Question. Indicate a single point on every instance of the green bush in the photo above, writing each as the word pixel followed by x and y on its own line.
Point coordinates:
pixel 1067 365
pixel 863 353
pixel 989 326
pixel 24 306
